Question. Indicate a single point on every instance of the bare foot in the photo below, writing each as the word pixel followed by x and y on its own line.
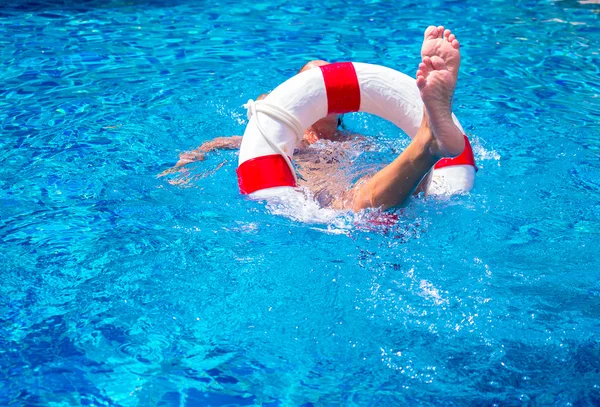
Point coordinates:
pixel 437 42
pixel 436 79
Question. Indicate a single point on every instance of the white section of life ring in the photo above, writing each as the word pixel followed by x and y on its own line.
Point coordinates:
pixel 451 180
pixel 303 96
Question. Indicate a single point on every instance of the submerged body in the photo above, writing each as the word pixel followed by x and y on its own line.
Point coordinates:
pixel 326 169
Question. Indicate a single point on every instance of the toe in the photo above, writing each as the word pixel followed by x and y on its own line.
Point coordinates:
pixel 456 44
pixel 451 38
pixel 421 82
pixel 438 63
pixel 447 34
pixel 431 32
pixel 440 31
pixel 423 68
pixel 427 63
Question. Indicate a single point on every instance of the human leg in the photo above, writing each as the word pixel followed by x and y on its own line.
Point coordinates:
pixel 437 137
pixel 394 184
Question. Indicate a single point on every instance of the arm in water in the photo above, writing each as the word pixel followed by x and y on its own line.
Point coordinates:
pixel 220 143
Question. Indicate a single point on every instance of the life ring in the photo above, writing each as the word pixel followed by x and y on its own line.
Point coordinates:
pixel 277 123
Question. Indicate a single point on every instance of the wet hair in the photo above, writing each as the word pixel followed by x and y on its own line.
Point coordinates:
pixel 313 64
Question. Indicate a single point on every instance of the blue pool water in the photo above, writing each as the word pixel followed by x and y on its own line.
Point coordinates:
pixel 118 288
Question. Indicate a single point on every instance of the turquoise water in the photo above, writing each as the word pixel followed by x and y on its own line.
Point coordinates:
pixel 119 288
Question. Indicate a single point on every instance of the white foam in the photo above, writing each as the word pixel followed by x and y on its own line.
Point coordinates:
pixel 300 205
pixel 482 154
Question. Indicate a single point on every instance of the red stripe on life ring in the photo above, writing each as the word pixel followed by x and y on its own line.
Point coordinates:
pixel 268 171
pixel 465 158
pixel 343 89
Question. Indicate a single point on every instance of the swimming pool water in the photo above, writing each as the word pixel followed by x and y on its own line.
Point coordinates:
pixel 118 288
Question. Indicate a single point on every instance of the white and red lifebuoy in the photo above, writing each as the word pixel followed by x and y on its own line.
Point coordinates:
pixel 277 123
